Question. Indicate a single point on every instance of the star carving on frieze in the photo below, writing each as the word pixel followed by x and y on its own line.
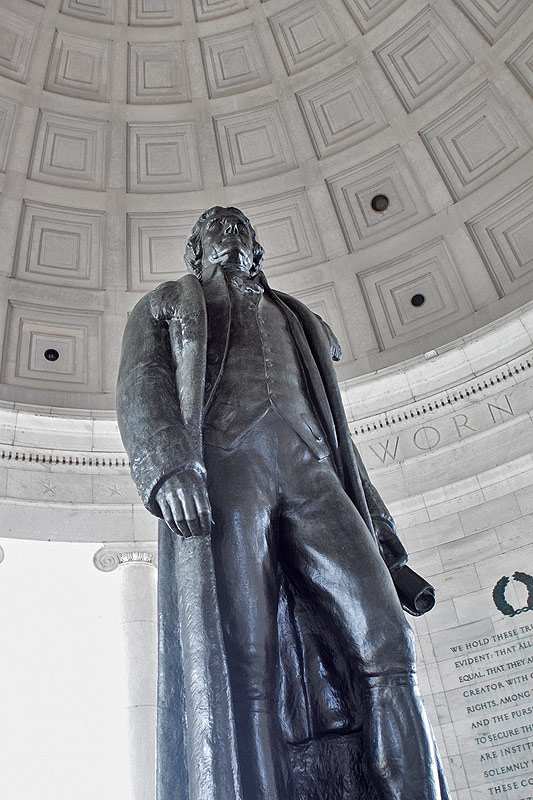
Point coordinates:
pixel 114 490
pixel 49 487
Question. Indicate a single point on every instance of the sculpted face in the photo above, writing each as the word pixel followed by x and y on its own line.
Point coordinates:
pixel 227 241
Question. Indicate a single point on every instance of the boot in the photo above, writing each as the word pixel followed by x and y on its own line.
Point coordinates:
pixel 399 746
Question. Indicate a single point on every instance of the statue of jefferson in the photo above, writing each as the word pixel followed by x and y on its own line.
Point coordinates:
pixel 230 412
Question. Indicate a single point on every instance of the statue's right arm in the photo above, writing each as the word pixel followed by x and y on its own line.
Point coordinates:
pixel 166 463
pixel 184 503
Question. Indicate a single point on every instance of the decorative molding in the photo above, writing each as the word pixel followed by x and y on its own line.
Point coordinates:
pixel 156 245
pixel 305 34
pixel 456 395
pixel 212 9
pixel 233 62
pixel 253 144
pixel 474 141
pixel 422 59
pixel 2 554
pixel 108 559
pixel 92 460
pixel 368 13
pixel 31 330
pixel 79 67
pixel 352 192
pixel 285 226
pixel 477 432
pixel 8 110
pixel 492 19
pixel 162 157
pixel 340 111
pixel 60 246
pixel 489 389
pixel 93 10
pixel 503 234
pixel 521 63
pixel 157 73
pixel 388 289
pixel 17 40
pixel 485 385
pixel 148 13
pixel 69 151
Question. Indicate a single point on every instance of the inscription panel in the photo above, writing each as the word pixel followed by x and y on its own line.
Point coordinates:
pixel 487 681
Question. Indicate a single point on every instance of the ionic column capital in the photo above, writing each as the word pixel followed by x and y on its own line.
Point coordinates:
pixel 109 558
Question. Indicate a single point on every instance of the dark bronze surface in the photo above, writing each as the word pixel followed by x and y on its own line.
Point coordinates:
pixel 286 665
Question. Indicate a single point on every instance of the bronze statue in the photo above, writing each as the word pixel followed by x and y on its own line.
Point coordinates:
pixel 286 665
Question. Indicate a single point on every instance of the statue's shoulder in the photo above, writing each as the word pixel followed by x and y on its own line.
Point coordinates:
pixel 169 299
pixel 293 302
pixel 313 323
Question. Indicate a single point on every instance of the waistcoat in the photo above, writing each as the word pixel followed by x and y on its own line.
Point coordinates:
pixel 262 373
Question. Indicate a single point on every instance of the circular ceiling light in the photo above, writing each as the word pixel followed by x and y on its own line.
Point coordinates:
pixel 418 300
pixel 380 202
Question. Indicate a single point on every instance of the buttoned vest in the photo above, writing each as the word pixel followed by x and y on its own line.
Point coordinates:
pixel 262 373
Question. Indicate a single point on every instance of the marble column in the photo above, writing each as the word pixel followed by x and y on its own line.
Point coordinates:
pixel 139 626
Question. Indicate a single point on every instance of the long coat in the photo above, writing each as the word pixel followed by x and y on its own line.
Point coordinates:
pixel 166 384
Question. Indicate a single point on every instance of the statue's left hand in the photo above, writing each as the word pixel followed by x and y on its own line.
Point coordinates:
pixel 392 550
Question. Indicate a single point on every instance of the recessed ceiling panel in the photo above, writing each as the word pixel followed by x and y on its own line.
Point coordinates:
pixel 474 141
pixel 422 58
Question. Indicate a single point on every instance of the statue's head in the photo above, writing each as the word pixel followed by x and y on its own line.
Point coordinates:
pixel 223 236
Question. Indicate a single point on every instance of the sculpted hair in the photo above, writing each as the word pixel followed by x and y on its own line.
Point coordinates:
pixel 193 249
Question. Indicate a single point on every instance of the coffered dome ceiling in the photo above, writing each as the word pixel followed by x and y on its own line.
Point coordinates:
pixel 382 149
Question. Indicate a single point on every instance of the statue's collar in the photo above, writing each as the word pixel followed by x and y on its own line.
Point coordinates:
pixel 237 278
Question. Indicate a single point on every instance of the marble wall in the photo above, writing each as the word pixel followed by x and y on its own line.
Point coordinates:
pixel 457 468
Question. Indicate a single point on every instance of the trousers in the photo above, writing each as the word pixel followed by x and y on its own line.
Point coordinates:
pixel 277 507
